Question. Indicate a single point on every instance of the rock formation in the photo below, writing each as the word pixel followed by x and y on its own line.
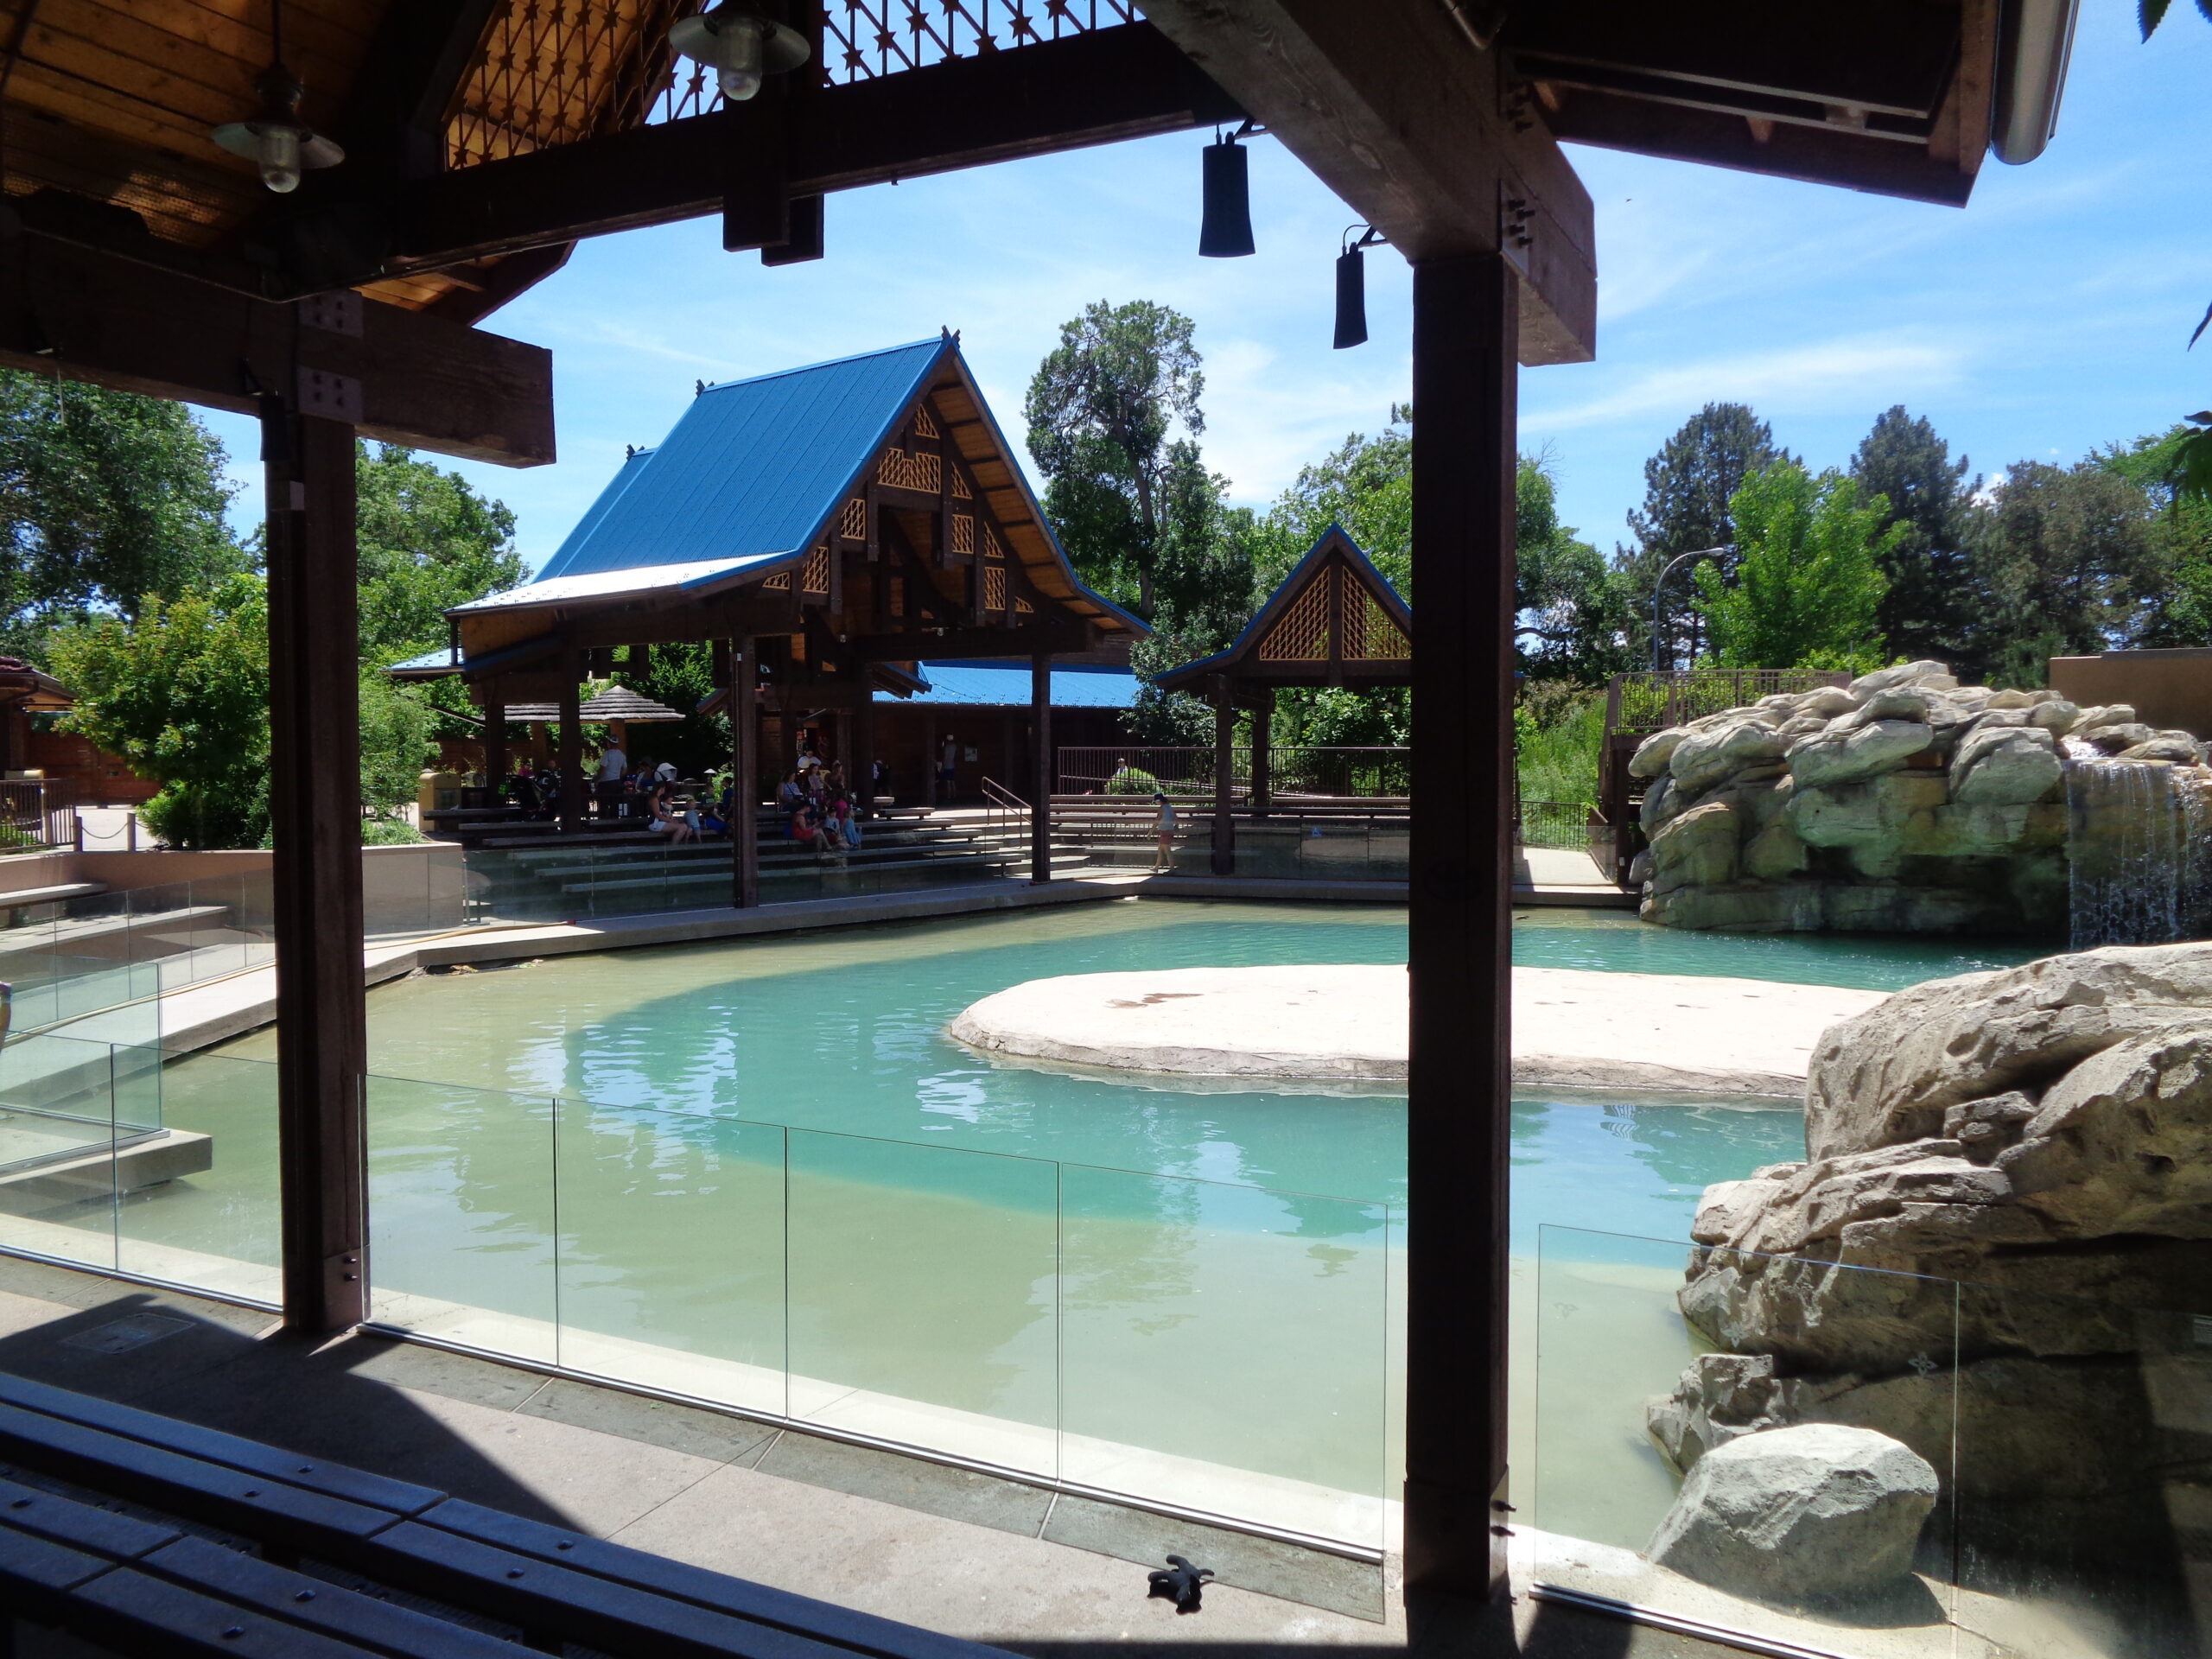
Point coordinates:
pixel 1815 1514
pixel 1904 802
pixel 1998 1246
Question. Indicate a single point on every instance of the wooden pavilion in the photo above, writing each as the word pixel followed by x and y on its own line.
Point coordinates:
pixel 823 528
pixel 483 137
pixel 1334 620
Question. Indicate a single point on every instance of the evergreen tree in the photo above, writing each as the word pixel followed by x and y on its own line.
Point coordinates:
pixel 1808 584
pixel 1924 612
pixel 1103 411
pixel 1686 489
pixel 1572 612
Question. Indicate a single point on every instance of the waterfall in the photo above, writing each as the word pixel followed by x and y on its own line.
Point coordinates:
pixel 2136 855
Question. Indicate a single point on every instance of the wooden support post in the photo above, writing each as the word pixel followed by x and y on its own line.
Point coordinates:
pixel 1459 950
pixel 570 758
pixel 495 744
pixel 1040 768
pixel 929 757
pixel 1263 720
pixel 860 772
pixel 744 774
pixel 314 808
pixel 1225 827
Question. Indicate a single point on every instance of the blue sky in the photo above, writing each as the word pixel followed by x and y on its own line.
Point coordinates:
pixel 2045 319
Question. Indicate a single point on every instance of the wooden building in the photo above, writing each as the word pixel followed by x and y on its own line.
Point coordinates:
pixel 483 137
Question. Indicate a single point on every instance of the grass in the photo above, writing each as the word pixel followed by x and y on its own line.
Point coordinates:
pixel 1558 731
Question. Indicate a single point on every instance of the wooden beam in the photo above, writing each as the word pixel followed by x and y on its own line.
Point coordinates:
pixel 394 374
pixel 1411 123
pixel 1224 825
pixel 1056 636
pixel 1459 1095
pixel 315 808
pixel 1040 768
pixel 568 750
pixel 1093 88
pixel 745 772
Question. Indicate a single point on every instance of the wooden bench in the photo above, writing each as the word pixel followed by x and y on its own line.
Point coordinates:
pixel 143 1586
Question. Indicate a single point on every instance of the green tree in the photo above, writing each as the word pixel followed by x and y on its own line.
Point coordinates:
pixel 2179 611
pixel 105 498
pixel 427 542
pixel 1904 461
pixel 2067 561
pixel 1103 410
pixel 1573 615
pixel 1808 582
pixel 1687 487
pixel 181 691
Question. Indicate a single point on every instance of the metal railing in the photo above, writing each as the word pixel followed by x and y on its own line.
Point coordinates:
pixel 37 812
pixel 1651 703
pixel 1566 825
pixel 1010 814
pixel 1135 769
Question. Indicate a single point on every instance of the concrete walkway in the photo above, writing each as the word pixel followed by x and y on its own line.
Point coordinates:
pixel 1572 1028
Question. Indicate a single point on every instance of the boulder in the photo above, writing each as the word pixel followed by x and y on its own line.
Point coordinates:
pixel 1703 758
pixel 1698 848
pixel 2005 766
pixel 2110 714
pixel 1774 853
pixel 2178 748
pixel 1935 676
pixel 1652 754
pixel 1818 1513
pixel 1826 702
pixel 2057 716
pixel 2117 739
pixel 1832 757
pixel 1888 1076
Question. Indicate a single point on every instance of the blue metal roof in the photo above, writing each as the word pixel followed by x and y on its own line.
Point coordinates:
pixel 998 684
pixel 755 466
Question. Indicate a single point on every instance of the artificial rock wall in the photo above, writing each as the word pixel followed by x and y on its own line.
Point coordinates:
pixel 1902 802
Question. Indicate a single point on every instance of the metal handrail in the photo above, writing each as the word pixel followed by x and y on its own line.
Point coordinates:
pixel 1008 811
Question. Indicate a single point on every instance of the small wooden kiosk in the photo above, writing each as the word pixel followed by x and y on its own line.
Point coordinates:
pixel 1335 620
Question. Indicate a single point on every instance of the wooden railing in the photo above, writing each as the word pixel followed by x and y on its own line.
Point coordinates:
pixel 1136 769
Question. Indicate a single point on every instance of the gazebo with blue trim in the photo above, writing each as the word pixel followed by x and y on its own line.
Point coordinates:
pixel 1334 620
pixel 825 528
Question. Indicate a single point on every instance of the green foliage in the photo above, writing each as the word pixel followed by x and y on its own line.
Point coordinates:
pixel 398 739
pixel 2189 470
pixel 2150 13
pixel 1572 613
pixel 1131 780
pixel 1102 411
pixel 427 542
pixel 181 692
pixel 1925 611
pixel 682 676
pixel 1808 576
pixel 1557 731
pixel 105 498
pixel 1687 487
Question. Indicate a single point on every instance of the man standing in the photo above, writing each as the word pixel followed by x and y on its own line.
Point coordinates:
pixel 613 764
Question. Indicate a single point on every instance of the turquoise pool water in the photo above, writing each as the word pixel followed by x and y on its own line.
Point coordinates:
pixel 758 1172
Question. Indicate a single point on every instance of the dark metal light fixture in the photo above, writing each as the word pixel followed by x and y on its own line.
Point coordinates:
pixel 744 47
pixel 1225 229
pixel 276 139
pixel 1351 286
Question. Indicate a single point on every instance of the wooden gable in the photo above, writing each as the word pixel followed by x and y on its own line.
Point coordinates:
pixel 1333 621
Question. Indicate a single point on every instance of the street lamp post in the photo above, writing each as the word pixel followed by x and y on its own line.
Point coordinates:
pixel 1658 589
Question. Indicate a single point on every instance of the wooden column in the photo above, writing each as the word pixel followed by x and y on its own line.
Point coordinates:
pixel 744 774
pixel 1040 767
pixel 929 757
pixel 1263 720
pixel 861 772
pixel 1224 826
pixel 495 744
pixel 315 807
pixel 1464 323
pixel 569 757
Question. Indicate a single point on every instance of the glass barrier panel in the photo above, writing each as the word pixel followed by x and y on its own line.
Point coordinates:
pixel 2084 1488
pixel 1762 1443
pixel 671 1251
pixel 1224 1348
pixel 57 1149
pixel 923 1302
pixel 197 1205
pixel 462 1216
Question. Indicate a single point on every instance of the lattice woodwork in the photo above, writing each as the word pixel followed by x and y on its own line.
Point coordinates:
pixel 1370 635
pixel 1302 632
pixel 905 472
pixel 994 588
pixel 778 583
pixel 1021 608
pixel 852 522
pixel 960 486
pixel 963 533
pixel 553 71
pixel 814 574
pixel 864 38
pixel 924 427
pixel 991 547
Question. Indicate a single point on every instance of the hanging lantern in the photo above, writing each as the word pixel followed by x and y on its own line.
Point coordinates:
pixel 741 47
pixel 1352 287
pixel 1225 228
pixel 276 140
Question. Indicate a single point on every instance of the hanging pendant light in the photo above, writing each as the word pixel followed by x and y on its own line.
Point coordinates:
pixel 743 47
pixel 278 140
pixel 1226 227
pixel 1351 286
